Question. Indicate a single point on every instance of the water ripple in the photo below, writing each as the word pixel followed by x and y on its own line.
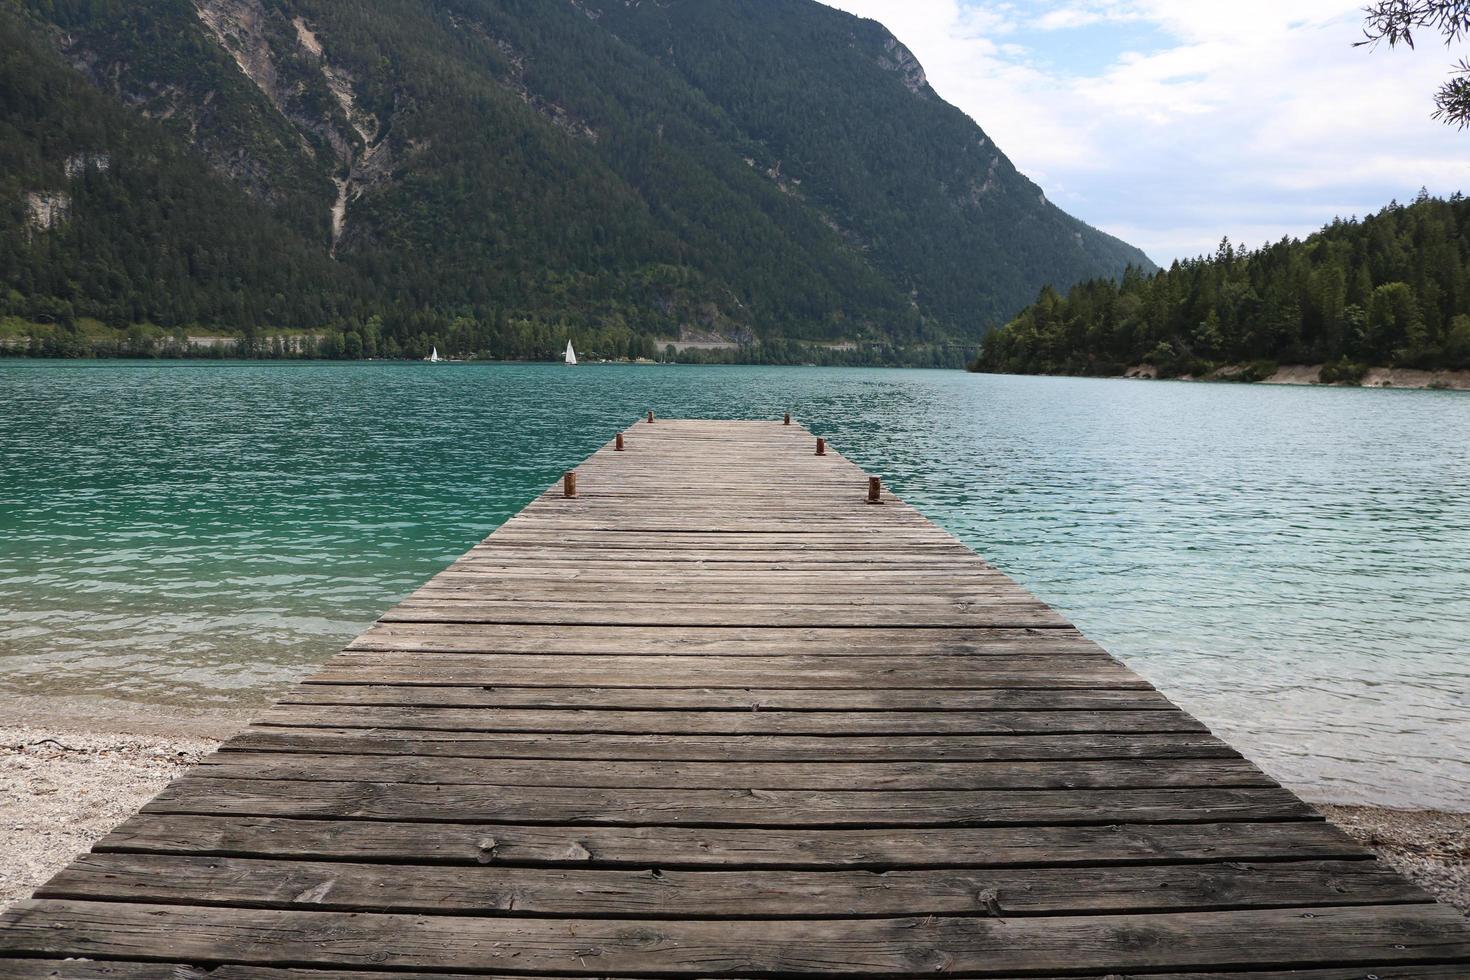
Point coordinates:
pixel 1293 565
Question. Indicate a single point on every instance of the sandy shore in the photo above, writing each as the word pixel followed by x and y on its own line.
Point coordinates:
pixel 60 791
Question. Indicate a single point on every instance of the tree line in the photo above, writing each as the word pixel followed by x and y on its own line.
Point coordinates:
pixel 1391 289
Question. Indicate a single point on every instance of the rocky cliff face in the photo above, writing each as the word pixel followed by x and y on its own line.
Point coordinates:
pixel 210 73
pixel 899 59
pixel 288 63
pixel 46 210
pixel 284 59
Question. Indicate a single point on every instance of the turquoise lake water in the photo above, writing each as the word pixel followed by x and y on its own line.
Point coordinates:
pixel 1291 564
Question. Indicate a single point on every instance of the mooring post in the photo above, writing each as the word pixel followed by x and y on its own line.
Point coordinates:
pixel 875 490
pixel 618 445
pixel 821 447
pixel 788 418
pixel 569 483
pixel 650 416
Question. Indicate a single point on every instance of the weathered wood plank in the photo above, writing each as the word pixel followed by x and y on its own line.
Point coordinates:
pixel 941 597
pixel 73 969
pixel 737 748
pixel 677 847
pixel 722 642
pixel 651 559
pixel 371 800
pixel 758 721
pixel 59 969
pixel 506 560
pixel 775 580
pixel 733 614
pixel 709 671
pixel 873 947
pixel 1079 703
pixel 673 894
pixel 837 776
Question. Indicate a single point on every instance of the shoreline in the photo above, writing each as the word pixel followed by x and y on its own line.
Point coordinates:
pixel 63 787
pixel 1299 375
pixel 1309 375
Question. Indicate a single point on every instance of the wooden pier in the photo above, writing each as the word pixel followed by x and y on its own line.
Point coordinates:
pixel 716 716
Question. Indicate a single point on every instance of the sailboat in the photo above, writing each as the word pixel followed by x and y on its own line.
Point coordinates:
pixel 434 357
pixel 571 355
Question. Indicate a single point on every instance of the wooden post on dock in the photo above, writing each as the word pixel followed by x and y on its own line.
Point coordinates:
pixel 618 443
pixel 569 483
pixel 875 490
pixel 821 447
pixel 788 419
pixel 650 416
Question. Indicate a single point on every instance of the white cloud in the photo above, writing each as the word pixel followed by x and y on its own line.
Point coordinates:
pixel 1252 118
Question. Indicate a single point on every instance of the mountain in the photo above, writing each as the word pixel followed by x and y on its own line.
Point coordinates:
pixel 496 176
pixel 1391 290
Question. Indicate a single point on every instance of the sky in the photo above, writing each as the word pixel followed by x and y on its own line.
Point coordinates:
pixel 1173 123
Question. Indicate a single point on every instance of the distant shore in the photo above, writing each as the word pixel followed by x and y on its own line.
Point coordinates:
pixel 67 779
pixel 1311 374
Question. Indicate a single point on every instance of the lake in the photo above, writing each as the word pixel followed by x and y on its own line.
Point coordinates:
pixel 1291 564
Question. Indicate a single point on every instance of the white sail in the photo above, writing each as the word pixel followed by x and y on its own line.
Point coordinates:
pixel 434 355
pixel 571 354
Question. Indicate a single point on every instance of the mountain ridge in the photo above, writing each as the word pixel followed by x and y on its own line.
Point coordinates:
pixel 499 175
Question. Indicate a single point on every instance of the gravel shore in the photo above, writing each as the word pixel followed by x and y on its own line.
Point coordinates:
pixel 1429 847
pixel 60 791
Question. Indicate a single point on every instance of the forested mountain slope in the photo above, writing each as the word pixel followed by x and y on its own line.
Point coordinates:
pixel 1390 290
pixel 495 175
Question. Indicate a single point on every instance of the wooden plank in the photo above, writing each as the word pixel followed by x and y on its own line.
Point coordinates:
pixel 708 671
pixel 506 560
pixel 713 641
pixel 739 748
pixel 811 849
pixel 758 721
pixel 836 669
pixel 371 800
pixel 776 580
pixel 1078 704
pixel 74 969
pixel 755 616
pixel 836 776
pixel 52 969
pixel 674 894
pixel 941 597
pixel 851 558
pixel 652 560
pixel 785 546
pixel 873 947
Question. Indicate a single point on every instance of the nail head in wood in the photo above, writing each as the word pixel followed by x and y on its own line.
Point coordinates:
pixel 569 483
pixel 618 443
pixel 821 447
pixel 875 490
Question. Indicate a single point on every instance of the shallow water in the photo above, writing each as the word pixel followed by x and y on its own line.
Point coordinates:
pixel 1291 564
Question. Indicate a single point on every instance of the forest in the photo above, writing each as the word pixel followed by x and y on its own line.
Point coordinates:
pixel 515 172
pixel 1391 290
